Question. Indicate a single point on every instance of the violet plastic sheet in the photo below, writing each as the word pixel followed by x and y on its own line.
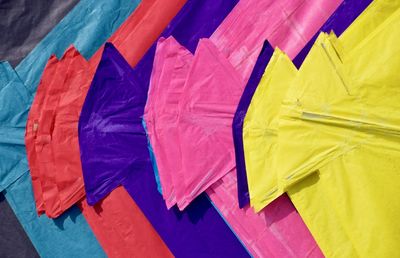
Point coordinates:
pixel 347 12
pixel 110 129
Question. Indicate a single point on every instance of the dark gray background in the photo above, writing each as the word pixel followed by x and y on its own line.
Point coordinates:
pixel 23 24
pixel 13 240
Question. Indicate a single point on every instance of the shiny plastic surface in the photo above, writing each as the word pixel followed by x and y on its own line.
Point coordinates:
pixel 111 113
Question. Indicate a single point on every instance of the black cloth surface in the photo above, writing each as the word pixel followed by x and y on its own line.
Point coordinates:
pixel 14 243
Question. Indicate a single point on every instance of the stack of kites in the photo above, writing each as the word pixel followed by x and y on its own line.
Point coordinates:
pixel 200 128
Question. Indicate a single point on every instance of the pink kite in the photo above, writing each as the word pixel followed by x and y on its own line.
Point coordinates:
pixel 192 133
pixel 278 230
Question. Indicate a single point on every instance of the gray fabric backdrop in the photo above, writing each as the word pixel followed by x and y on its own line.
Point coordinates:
pixel 23 23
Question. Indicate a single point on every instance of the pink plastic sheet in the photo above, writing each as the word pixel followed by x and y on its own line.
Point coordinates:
pixel 288 24
pixel 167 88
pixel 212 88
pixel 275 232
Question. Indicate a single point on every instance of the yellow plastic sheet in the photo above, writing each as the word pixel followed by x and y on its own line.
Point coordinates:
pixel 347 141
pixel 262 114
pixel 335 93
pixel 335 147
pixel 260 128
pixel 262 110
pixel 375 14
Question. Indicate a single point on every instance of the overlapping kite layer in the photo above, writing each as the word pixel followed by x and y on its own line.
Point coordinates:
pixel 195 109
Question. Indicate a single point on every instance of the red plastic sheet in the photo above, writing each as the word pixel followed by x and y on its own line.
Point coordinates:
pixel 121 227
pixel 142 29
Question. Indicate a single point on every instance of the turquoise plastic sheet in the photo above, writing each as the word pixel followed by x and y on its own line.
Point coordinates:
pixel 87 27
pixel 67 236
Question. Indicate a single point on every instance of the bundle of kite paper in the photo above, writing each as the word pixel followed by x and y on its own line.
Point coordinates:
pixel 164 135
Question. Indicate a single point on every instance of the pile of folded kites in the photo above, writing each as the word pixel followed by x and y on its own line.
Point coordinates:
pixel 200 128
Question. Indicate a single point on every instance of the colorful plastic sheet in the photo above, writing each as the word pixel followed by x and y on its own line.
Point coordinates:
pixel 39 139
pixel 56 168
pixel 121 227
pixel 116 235
pixel 239 38
pixel 366 173
pixel 16 185
pixel 64 119
pixel 195 15
pixel 364 150
pixel 197 19
pixel 347 12
pixel 199 231
pixel 347 154
pixel 221 193
pixel 166 108
pixel 197 114
pixel 43 232
pixel 251 228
